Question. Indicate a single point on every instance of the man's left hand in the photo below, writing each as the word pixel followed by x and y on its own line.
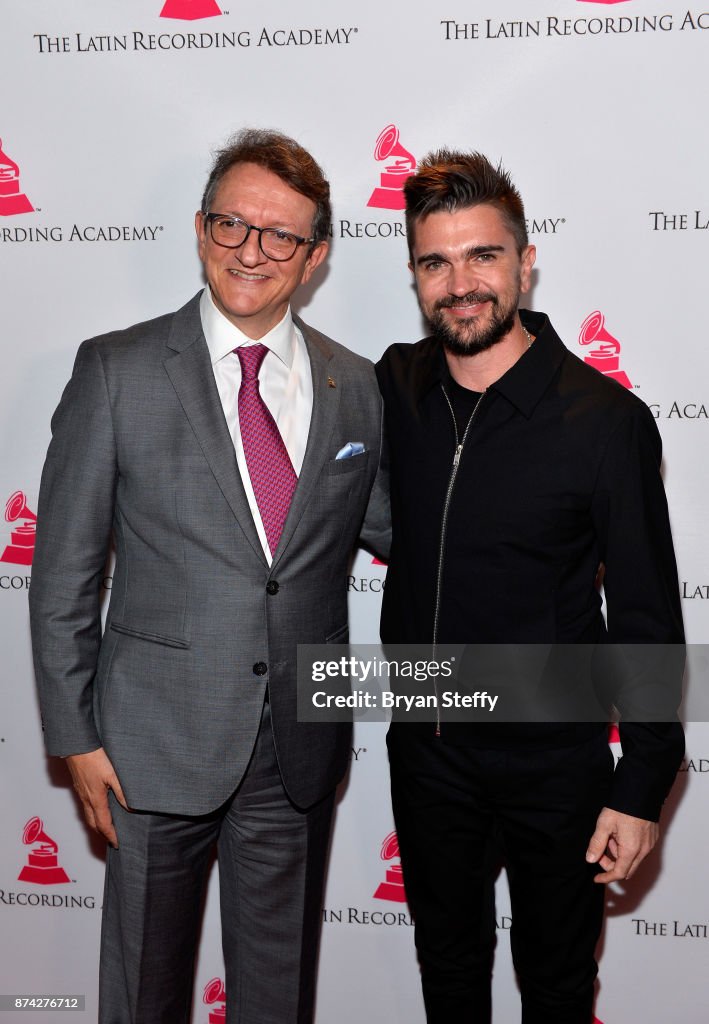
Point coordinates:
pixel 619 844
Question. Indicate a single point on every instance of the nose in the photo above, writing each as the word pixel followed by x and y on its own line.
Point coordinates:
pixel 463 278
pixel 249 254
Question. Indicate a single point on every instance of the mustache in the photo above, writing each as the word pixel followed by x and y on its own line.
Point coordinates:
pixel 451 301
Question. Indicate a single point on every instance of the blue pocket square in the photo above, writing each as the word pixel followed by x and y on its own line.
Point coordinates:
pixel 350 449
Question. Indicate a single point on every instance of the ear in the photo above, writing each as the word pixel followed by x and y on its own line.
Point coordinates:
pixel 200 226
pixel 528 259
pixel 315 258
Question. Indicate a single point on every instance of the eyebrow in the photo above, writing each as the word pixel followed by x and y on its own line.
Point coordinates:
pixel 279 226
pixel 474 250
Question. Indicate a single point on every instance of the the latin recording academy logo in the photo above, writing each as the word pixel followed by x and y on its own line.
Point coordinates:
pixel 42 867
pixel 389 195
pixel 12 198
pixel 214 996
pixel 605 355
pixel 394 913
pixel 13 201
pixel 21 547
pixel 42 872
pixel 190 10
pixel 392 888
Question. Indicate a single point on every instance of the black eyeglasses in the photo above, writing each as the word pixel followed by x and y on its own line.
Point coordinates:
pixel 232 232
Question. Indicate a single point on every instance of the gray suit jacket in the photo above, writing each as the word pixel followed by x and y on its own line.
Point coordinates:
pixel 141 452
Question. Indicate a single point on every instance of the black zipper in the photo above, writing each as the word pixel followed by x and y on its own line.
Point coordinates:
pixel 444 524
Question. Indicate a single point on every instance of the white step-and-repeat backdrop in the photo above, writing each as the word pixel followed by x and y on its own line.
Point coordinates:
pixel 109 114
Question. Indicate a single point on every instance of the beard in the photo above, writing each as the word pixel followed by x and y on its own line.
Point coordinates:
pixel 469 336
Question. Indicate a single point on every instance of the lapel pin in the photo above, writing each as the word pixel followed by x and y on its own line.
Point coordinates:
pixel 331 383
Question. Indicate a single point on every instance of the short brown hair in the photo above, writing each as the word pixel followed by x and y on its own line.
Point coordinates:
pixel 448 180
pixel 282 156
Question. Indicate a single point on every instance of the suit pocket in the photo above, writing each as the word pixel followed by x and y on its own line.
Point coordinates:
pixel 353 464
pixel 153 638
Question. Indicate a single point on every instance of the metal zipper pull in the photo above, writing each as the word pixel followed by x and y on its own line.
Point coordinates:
pixel 456 457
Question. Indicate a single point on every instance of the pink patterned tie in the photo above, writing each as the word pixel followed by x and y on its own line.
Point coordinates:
pixel 272 475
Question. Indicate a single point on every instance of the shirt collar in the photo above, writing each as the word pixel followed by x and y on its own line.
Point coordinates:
pixel 223 337
pixel 524 383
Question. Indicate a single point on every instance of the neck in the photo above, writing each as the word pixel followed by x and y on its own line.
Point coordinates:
pixel 478 371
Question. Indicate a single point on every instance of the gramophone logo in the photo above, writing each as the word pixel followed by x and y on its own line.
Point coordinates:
pixel 190 10
pixel 12 200
pixel 389 193
pixel 214 992
pixel 392 888
pixel 605 356
pixel 21 547
pixel 42 867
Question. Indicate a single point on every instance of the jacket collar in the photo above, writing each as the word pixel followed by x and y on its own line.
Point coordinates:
pixel 523 384
pixel 189 367
pixel 186 326
pixel 324 367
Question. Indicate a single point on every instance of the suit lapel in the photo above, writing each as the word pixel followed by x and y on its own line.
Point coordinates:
pixel 188 367
pixel 326 402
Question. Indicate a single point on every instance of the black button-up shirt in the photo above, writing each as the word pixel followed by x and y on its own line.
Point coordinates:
pixel 560 472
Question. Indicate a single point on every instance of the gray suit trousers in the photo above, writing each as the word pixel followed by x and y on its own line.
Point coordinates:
pixel 271 868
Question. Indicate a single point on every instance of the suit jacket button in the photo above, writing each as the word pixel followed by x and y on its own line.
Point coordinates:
pixel 260 668
pixel 272 587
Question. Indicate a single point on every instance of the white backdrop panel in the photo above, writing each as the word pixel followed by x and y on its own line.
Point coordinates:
pixel 109 115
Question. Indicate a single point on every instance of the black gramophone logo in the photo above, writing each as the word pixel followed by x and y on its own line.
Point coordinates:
pixel 21 547
pixel 392 888
pixel 42 867
pixel 214 992
pixel 389 193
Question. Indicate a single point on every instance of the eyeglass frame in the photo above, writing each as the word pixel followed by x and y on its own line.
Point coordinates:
pixel 210 217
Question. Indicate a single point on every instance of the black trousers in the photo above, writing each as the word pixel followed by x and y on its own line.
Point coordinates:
pixel 458 810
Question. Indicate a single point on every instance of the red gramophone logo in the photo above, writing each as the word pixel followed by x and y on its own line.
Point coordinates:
pixel 392 888
pixel 190 10
pixel 21 547
pixel 606 355
pixel 42 866
pixel 214 992
pixel 12 200
pixel 389 193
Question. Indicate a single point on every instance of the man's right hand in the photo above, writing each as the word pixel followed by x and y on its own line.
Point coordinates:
pixel 93 776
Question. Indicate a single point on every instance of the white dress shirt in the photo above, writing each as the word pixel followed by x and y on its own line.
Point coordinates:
pixel 285 384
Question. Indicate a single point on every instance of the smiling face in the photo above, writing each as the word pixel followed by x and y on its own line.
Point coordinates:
pixel 251 290
pixel 469 276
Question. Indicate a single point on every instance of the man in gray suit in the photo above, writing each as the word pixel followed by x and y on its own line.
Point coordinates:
pixel 229 450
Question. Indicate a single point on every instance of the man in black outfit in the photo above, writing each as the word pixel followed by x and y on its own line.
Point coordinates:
pixel 516 472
